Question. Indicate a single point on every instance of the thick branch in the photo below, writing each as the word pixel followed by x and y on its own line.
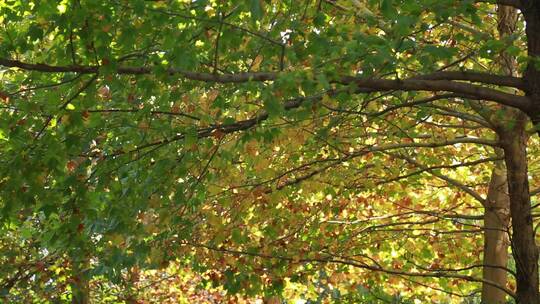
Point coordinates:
pixel 507 81
pixel 469 90
pixel 207 77
pixel 364 85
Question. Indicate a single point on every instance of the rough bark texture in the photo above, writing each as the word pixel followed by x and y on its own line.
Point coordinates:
pixel 523 243
pixel 531 12
pixel 496 225
pixel 514 142
pixel 497 205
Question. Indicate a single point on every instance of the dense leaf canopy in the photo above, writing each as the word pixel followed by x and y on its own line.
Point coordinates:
pixel 297 149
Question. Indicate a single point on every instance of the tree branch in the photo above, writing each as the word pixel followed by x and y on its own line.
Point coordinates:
pixel 363 84
pixel 449 180
pixel 468 90
pixel 353 263
pixel 507 81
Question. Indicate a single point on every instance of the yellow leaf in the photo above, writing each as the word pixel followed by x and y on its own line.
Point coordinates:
pixel 256 63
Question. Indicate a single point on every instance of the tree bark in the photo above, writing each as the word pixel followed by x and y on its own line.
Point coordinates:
pixel 496 225
pixel 80 289
pixel 497 205
pixel 512 135
pixel 523 242
pixel 531 12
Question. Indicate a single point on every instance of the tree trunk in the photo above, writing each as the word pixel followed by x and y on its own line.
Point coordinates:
pixel 80 283
pixel 496 223
pixel 80 291
pixel 531 12
pixel 497 205
pixel 523 243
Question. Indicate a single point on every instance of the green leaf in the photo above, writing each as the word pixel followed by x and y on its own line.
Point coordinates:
pixel 388 10
pixel 256 10
pixel 190 137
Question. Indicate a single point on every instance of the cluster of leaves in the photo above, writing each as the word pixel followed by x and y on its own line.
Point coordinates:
pixel 139 156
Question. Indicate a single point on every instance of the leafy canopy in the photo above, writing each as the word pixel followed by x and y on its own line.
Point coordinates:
pixel 233 136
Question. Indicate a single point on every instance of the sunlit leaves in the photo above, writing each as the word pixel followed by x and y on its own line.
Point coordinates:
pixel 139 170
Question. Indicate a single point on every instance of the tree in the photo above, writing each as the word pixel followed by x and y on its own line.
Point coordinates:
pixel 116 114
